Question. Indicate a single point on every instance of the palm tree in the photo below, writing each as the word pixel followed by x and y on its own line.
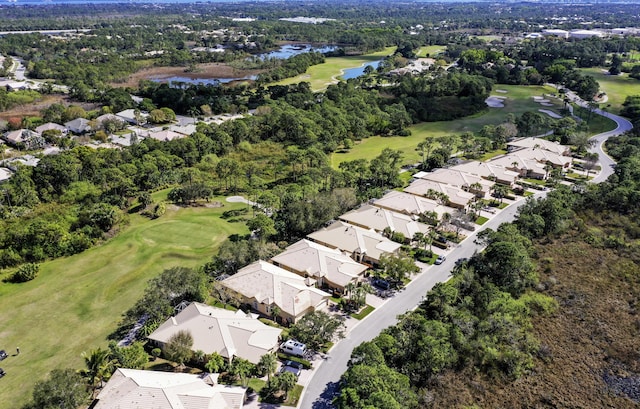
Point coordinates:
pixel 99 365
pixel 427 145
pixel 418 238
pixel 287 381
pixel 268 363
pixel 275 312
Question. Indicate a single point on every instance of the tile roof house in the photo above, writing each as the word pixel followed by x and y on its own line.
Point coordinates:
pixel 540 143
pixel 532 163
pixel 490 171
pixel 229 333
pixel 5 174
pixel 133 116
pixel 407 203
pixel 78 125
pixel 457 197
pixel 24 138
pixel 263 285
pixel 379 219
pixel 165 135
pixel 51 126
pixel 137 389
pixel 465 181
pixel 330 267
pixel 364 245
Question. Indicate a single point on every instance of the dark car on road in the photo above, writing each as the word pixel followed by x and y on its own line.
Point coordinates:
pixel 3 354
pixel 293 367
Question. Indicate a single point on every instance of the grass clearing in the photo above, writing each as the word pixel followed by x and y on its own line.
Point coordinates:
pixel 481 220
pixel 363 313
pixel 75 302
pixel 519 100
pixel 617 87
pixel 430 51
pixel 322 75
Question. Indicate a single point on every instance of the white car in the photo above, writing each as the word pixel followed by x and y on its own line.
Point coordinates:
pixel 440 260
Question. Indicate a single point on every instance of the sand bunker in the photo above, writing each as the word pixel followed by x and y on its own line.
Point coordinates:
pixel 550 113
pixel 546 104
pixel 495 102
pixel 502 91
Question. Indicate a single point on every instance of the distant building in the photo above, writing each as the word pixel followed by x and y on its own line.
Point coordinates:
pixel 78 126
pixel 585 34
pixel 24 138
pixel 556 33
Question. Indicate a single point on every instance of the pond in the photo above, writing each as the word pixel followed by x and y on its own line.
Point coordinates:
pixel 174 81
pixel 289 50
pixel 358 71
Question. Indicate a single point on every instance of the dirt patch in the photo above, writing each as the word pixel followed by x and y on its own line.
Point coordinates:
pixel 37 106
pixel 204 71
pixel 214 205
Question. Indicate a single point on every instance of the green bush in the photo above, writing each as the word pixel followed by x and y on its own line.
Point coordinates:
pixel 26 272
pixel 304 362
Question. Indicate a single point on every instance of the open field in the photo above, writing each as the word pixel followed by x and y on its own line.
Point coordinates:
pixel 322 75
pixel 430 50
pixel 519 100
pixel 75 302
pixel 617 87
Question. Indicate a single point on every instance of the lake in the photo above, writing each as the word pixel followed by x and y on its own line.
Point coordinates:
pixel 358 71
pixel 289 50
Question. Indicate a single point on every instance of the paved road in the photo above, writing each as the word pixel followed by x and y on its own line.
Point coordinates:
pixel 605 160
pixel 323 386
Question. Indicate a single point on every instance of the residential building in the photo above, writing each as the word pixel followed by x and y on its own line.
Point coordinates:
pixel 78 126
pixel 533 163
pixel 165 135
pixel 489 171
pixel 263 286
pixel 409 204
pixel 454 196
pixel 51 126
pixel 585 34
pixel 538 143
pixel 229 333
pixel 136 389
pixel 24 138
pixel 5 174
pixel 363 245
pixel 465 181
pixel 379 219
pixel 330 267
pixel 133 116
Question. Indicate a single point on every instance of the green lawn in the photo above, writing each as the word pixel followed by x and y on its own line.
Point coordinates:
pixel 519 100
pixel 363 313
pixel 617 87
pixel 431 50
pixel 76 301
pixel 322 75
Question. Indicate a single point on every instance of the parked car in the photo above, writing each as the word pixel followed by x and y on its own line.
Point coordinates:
pixel 3 354
pixel 2 373
pixel 293 367
pixel 380 283
pixel 440 260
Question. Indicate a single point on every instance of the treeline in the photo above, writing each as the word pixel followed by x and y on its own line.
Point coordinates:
pixel 296 65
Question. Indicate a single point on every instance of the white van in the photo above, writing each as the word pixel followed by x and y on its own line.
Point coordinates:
pixel 293 347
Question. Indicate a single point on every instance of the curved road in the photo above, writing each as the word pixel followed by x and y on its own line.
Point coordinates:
pixel 323 385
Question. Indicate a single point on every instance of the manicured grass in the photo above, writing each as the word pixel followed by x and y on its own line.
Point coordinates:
pixel 322 75
pixel 431 50
pixel 597 123
pixel 481 220
pixel 294 396
pixel 77 301
pixel 363 313
pixel 256 384
pixel 617 87
pixel 490 155
pixel 519 100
